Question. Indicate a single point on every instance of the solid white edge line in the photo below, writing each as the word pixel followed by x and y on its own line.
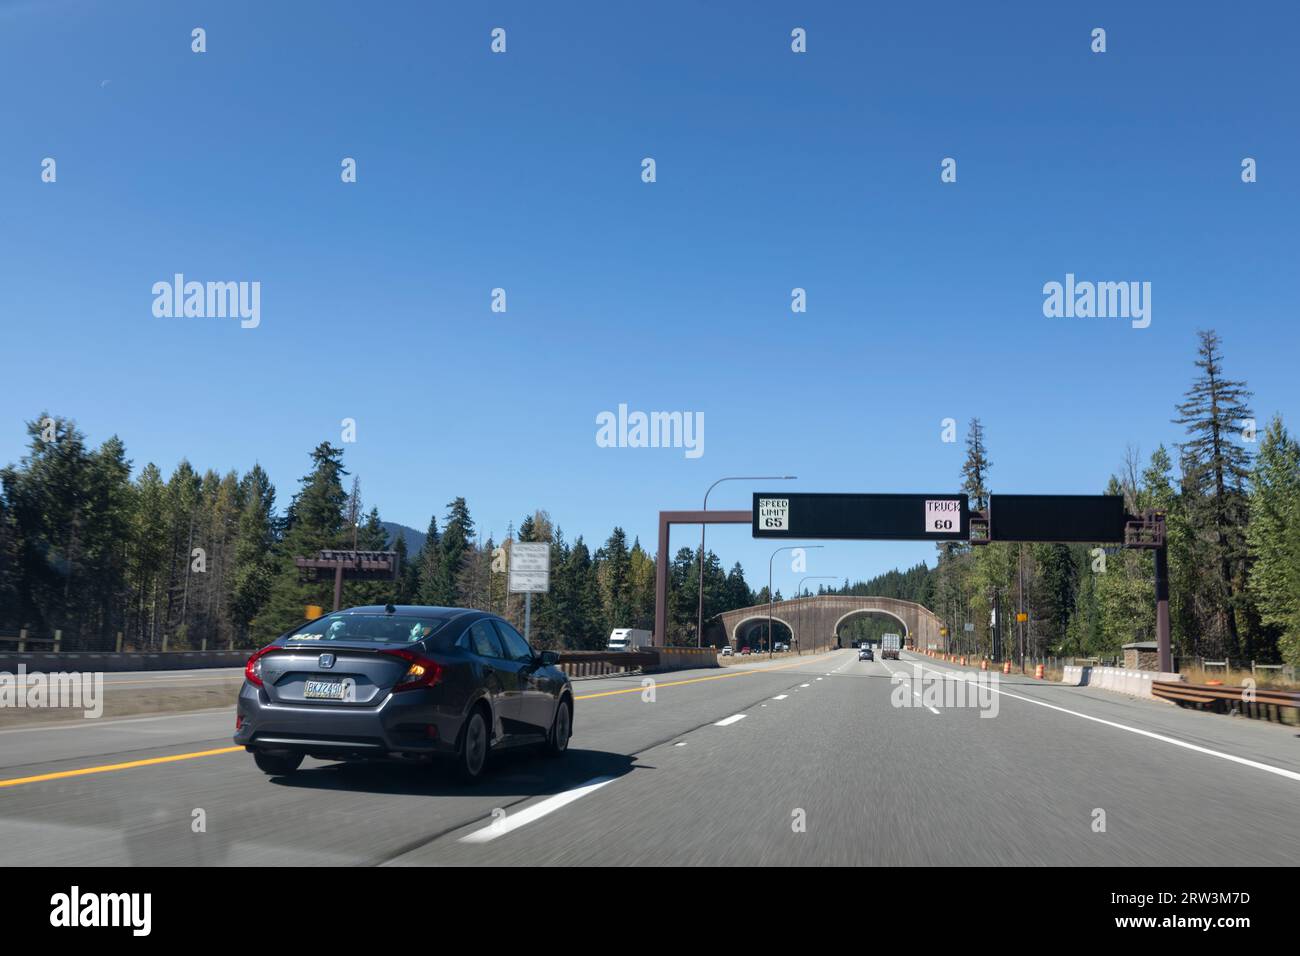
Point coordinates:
pixel 513 821
pixel 1269 768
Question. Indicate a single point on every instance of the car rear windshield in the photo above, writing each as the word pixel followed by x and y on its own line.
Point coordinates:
pixel 368 628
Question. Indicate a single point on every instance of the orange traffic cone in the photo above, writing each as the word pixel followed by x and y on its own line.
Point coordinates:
pixel 1006 667
pixel 1038 671
pixel 984 665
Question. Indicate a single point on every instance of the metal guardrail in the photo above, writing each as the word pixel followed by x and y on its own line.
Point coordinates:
pixel 31 642
pixel 604 663
pixel 1252 702
pixel 599 663
pixel 22 639
pixel 574 663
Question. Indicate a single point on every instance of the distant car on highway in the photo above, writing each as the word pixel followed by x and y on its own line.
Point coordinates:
pixel 408 682
pixel 728 650
pixel 865 653
pixel 744 650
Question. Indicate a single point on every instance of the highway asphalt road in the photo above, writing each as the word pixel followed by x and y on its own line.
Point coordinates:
pixel 798 762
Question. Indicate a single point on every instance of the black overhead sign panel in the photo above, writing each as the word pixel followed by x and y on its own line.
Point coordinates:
pixel 938 517
pixel 1092 519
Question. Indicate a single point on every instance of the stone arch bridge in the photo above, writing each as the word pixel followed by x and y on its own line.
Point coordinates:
pixel 817 619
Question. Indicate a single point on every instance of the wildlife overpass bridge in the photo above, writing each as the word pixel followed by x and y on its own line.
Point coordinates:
pixel 814 621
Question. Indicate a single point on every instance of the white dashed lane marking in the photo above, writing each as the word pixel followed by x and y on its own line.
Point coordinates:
pixel 507 824
pixel 914 693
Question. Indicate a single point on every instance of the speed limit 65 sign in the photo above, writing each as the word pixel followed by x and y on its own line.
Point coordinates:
pixel 774 514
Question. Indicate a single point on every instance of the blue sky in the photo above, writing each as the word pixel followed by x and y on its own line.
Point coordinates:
pixel 522 171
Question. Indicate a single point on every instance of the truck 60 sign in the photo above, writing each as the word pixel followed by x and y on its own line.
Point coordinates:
pixel 942 515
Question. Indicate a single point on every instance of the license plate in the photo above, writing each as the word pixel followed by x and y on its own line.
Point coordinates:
pixel 324 689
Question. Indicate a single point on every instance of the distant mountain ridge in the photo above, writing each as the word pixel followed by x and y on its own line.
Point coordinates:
pixel 414 539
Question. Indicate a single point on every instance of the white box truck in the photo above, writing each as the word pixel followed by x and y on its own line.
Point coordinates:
pixel 626 638
pixel 889 645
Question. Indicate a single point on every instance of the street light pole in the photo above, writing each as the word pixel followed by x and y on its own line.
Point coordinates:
pixel 799 593
pixel 699 611
pixel 789 547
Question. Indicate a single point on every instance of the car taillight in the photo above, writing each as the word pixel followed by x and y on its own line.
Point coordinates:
pixel 420 671
pixel 253 669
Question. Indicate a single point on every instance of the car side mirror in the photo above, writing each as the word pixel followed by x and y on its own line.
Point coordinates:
pixel 548 659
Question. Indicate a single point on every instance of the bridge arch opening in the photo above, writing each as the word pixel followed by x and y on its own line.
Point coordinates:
pixel 876 621
pixel 752 631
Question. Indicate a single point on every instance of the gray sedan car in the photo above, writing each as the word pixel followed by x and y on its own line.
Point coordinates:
pixel 407 682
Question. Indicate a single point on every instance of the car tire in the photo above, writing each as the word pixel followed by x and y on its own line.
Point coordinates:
pixel 557 741
pixel 277 764
pixel 472 753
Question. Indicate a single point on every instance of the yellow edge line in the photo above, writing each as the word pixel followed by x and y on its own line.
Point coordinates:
pixel 696 680
pixel 62 774
pixel 152 761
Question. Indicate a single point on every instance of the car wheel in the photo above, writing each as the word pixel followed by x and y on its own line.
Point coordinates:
pixel 471 757
pixel 557 741
pixel 277 764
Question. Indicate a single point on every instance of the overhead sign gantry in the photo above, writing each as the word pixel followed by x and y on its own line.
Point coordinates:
pixel 1070 519
pixel 883 517
pixel 1086 519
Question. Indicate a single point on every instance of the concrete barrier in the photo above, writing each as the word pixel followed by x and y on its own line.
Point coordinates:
pixel 683 658
pixel 110 661
pixel 1117 679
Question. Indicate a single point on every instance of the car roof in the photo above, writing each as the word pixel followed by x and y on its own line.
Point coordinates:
pixel 411 610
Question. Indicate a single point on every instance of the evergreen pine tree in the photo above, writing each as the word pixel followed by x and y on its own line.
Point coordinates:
pixel 254 560
pixel 1213 411
pixel 1273 536
pixel 315 522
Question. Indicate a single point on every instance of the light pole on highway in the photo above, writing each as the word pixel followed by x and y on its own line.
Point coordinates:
pixel 799 594
pixel 699 613
pixel 788 547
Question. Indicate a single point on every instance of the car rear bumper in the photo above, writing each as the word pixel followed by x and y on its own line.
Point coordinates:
pixel 407 724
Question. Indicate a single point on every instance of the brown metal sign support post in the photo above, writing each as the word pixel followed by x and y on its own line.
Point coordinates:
pixel 354 565
pixel 666 520
pixel 1147 531
pixel 1162 610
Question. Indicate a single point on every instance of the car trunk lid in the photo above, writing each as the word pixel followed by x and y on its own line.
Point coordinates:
pixel 340 675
